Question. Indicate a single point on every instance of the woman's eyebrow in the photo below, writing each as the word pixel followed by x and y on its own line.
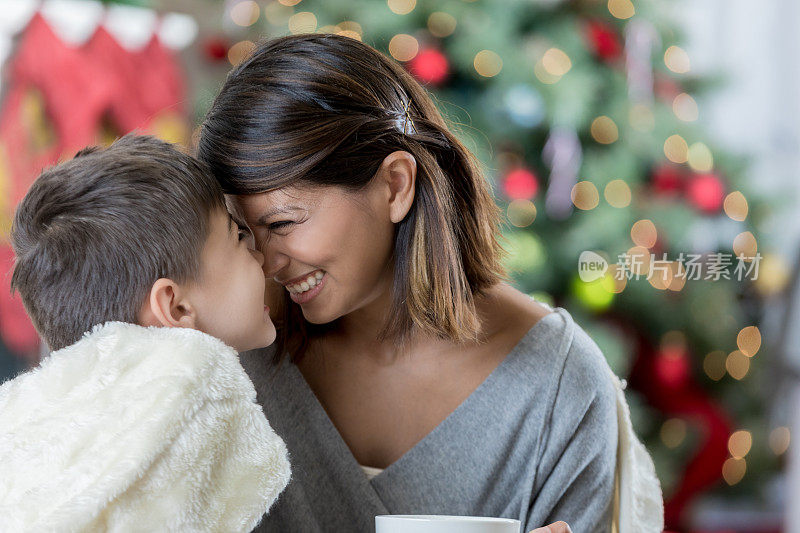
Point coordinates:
pixel 278 210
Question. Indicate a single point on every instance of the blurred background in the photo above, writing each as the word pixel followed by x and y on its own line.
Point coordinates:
pixel 645 153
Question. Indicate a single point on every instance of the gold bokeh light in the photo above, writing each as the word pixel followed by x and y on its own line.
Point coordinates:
pixel 245 13
pixel 621 9
pixel 739 444
pixel 676 149
pixel 441 24
pixel 403 47
pixel 749 340
pixel 521 213
pixel 677 60
pixel 584 195
pixel 737 364
pixel 685 108
pixel 303 22
pixel 604 130
pixel 402 7
pixel 644 233
pixel 556 62
pixel 487 63
pixel 735 206
pixel 617 193
pixel 733 470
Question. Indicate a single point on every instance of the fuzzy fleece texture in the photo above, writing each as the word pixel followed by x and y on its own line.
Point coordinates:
pixel 137 429
pixel 638 502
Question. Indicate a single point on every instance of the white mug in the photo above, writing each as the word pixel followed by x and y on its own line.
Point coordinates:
pixel 444 524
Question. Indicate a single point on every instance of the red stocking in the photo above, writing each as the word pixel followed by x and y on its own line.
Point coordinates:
pixel 52 109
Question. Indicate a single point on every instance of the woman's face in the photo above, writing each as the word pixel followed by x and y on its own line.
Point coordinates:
pixel 330 248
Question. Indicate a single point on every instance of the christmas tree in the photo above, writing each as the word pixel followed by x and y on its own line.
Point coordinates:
pixel 585 116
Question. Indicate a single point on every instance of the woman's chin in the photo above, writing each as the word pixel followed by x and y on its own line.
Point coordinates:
pixel 314 316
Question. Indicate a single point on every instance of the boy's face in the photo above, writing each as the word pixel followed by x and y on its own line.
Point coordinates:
pixel 229 294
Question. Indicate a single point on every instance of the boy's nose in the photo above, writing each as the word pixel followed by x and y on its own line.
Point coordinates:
pixel 259 257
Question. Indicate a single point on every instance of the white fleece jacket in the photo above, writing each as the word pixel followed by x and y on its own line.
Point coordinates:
pixel 137 429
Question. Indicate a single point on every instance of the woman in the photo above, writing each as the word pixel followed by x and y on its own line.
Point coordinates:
pixel 409 377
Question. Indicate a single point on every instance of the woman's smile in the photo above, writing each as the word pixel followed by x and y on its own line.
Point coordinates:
pixel 305 290
pixel 304 283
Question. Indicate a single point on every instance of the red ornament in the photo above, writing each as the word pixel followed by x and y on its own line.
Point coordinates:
pixel 706 192
pixel 216 49
pixel 430 66
pixel 668 180
pixel 672 367
pixel 603 40
pixel 520 184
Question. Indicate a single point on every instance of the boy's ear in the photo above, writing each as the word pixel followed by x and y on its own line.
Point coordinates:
pixel 167 306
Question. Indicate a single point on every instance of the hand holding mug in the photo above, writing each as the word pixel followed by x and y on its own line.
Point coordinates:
pixel 556 527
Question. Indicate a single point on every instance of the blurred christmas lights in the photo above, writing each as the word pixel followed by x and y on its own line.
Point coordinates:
pixel 714 365
pixel 403 47
pixel 402 7
pixel 685 108
pixel 617 193
pixel 245 13
pixel 735 206
pixel 303 22
pixel 677 60
pixel 745 244
pixel 441 24
pixel 676 149
pixel 643 233
pixel 604 130
pixel 621 9
pixel 556 62
pixel 584 195
pixel 487 63
pixel 749 340
pixel 737 364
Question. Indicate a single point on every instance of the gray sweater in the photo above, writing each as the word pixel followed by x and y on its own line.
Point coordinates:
pixel 536 441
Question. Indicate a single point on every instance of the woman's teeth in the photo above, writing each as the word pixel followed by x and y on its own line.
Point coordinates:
pixel 309 283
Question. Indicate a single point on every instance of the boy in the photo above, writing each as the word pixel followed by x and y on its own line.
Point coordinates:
pixel 144 287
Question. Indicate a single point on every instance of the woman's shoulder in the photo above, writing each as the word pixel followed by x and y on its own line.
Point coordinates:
pixel 508 314
pixel 554 347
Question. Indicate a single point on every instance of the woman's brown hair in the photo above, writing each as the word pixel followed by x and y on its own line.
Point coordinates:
pixel 321 109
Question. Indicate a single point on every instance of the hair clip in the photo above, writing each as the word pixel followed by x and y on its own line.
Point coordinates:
pixel 407 118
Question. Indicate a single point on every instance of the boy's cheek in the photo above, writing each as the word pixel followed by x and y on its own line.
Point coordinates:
pixel 273 295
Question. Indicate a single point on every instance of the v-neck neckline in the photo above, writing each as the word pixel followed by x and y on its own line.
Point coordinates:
pixel 431 435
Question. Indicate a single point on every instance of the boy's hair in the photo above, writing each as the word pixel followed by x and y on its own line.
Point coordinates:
pixel 94 233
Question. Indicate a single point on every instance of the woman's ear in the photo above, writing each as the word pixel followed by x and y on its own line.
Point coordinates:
pixel 400 172
pixel 167 306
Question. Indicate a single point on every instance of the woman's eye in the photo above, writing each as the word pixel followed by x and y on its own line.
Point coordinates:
pixel 280 225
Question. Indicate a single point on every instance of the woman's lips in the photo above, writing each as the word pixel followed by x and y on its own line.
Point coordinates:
pixel 307 296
